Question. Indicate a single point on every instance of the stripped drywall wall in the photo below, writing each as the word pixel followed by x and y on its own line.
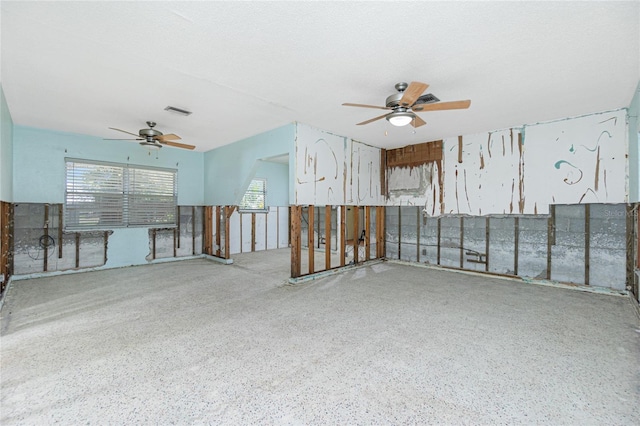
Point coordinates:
pixel 521 171
pixel 249 232
pixel 582 244
pixel 6 151
pixel 334 170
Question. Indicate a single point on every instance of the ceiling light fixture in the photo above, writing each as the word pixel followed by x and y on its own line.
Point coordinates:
pixel 400 118
pixel 178 110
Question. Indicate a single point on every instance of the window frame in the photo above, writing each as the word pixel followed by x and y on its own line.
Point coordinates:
pixel 128 206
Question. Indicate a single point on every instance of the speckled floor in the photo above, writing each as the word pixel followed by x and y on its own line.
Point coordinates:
pixel 200 342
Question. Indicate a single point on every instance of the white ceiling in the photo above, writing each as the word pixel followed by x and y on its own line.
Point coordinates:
pixel 247 67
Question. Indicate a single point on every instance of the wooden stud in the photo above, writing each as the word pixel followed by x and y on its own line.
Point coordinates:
pixel 459 149
pixel 5 233
pixel 193 230
pixel 587 241
pixel 106 243
pixel 439 233
pixel 175 250
pixel 551 237
pixel 153 244
pixel 342 234
pixel 60 228
pixel 383 172
pixel 295 216
pixel 178 224
pixel 630 281
pixel 253 232
pixel 461 242
pixel 356 234
pixel 367 230
pixel 218 247
pixel 399 233
pixel 418 217
pixel 227 214
pixel 487 239
pixel 383 231
pixel 310 240
pixel 327 237
pixel 77 249
pixel 516 244
pixel 46 238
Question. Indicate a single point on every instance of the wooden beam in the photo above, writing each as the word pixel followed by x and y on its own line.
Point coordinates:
pixel 227 215
pixel 356 234
pixel 230 211
pixel 46 238
pixel 253 232
pixel 327 237
pixel 342 234
pixel 178 224
pixel 310 241
pixel 367 229
pixel 516 244
pixel 77 240
pixel 60 229
pixel 551 237
pixel 218 233
pixel 587 243
pixel 487 239
pixel 153 244
pixel 295 217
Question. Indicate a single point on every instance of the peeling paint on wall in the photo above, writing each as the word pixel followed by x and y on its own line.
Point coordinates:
pixel 333 170
pixel 521 170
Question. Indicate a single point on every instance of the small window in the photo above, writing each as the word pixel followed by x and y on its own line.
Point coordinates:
pixel 255 197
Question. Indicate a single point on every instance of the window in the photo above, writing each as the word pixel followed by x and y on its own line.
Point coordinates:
pixel 255 197
pixel 106 195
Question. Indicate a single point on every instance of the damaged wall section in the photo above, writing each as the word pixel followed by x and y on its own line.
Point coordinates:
pixel 580 244
pixel 518 171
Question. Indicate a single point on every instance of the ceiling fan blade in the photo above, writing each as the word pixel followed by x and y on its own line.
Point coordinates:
pixel 124 131
pixel 177 144
pixel 373 119
pixel 412 93
pixel 138 139
pixel 170 136
pixel 365 106
pixel 441 106
pixel 417 122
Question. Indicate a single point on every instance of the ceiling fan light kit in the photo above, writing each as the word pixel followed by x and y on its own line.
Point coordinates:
pixel 407 102
pixel 400 118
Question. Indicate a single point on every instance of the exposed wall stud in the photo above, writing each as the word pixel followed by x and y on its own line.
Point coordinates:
pixel 461 242
pixel 178 224
pixel 77 241
pixel 551 236
pixel 587 243
pixel 218 233
pixel 487 239
pixel 46 238
pixel 356 234
pixel 341 235
pixel 60 229
pixel 193 230
pixel 367 231
pixel 327 237
pixel 516 244
pixel 295 215
pixel 310 231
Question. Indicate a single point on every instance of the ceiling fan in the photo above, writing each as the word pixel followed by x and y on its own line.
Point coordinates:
pixel 153 138
pixel 407 102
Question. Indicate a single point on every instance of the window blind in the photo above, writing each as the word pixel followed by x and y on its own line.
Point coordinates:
pixel 105 196
pixel 254 197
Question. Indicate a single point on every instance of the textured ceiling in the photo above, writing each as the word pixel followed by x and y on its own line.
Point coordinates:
pixel 247 67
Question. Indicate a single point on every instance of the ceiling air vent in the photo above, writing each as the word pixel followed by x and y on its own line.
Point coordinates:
pixel 429 98
pixel 178 110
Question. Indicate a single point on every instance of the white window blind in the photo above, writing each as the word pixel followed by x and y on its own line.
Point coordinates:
pixel 105 196
pixel 254 197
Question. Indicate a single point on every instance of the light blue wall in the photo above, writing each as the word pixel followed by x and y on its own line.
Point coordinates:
pixel 39 163
pixel 228 170
pixel 634 148
pixel 6 150
pixel 277 176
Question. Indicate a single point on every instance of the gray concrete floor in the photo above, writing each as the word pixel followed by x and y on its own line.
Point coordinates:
pixel 200 342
